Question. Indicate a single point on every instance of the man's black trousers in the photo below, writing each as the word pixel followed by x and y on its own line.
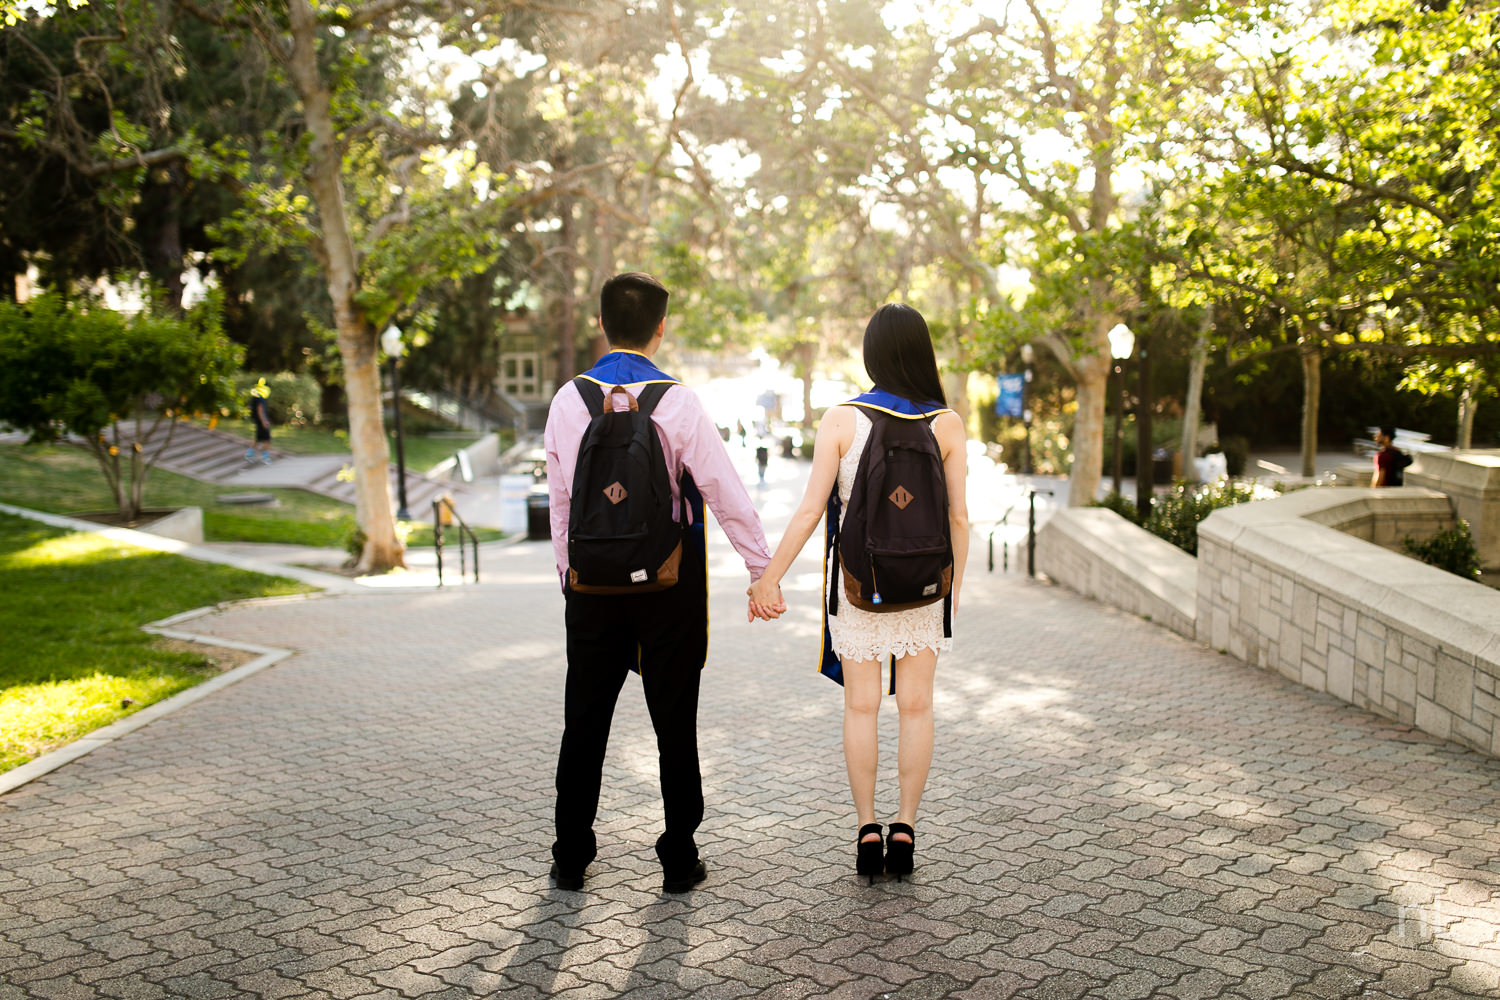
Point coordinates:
pixel 666 634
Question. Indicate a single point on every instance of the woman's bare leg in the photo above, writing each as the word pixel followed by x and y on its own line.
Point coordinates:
pixel 861 713
pixel 914 675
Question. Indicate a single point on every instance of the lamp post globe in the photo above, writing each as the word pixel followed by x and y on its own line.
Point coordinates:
pixel 391 341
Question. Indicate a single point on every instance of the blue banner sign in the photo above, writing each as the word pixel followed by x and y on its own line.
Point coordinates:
pixel 1012 399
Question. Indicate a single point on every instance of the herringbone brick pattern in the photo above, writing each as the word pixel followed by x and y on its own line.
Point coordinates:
pixel 1113 812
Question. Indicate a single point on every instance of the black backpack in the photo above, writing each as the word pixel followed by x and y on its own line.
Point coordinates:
pixel 894 545
pixel 622 537
pixel 1398 468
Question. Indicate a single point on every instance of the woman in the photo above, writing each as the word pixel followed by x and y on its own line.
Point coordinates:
pixel 899 359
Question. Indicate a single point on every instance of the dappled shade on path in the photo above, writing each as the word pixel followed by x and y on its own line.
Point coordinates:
pixel 1113 811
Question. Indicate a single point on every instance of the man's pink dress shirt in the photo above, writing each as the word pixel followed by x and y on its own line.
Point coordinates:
pixel 690 442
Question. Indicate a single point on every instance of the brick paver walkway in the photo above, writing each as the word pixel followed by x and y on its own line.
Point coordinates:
pixel 1113 812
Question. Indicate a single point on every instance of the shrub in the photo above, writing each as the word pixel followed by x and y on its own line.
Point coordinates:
pixel 76 367
pixel 1049 445
pixel 1122 505
pixel 1176 515
pixel 354 544
pixel 296 398
pixel 1453 550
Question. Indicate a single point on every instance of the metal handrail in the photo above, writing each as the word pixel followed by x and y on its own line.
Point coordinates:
pixel 1004 545
pixel 1031 495
pixel 438 504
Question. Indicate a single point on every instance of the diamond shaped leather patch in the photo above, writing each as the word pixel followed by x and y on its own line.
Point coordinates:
pixel 615 492
pixel 901 497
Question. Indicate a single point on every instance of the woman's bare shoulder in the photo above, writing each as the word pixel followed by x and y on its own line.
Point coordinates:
pixel 948 428
pixel 838 418
pixel 948 423
pixel 837 426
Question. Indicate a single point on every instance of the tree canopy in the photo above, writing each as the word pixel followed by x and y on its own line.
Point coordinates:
pixel 1308 177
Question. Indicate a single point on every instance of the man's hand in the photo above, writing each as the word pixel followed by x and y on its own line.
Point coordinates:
pixel 766 602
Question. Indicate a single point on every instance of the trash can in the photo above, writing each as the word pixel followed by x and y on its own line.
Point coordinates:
pixel 538 518
pixel 514 489
pixel 1165 467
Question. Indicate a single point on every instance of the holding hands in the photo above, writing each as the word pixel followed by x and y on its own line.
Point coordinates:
pixel 766 601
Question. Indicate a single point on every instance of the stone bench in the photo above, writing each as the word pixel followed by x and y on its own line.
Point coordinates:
pixel 1100 554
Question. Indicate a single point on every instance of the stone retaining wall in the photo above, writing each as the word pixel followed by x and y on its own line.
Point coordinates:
pixel 1387 633
pixel 1295 585
pixel 1471 479
pixel 1101 555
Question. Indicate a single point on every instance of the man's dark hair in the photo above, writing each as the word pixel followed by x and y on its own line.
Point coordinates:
pixel 631 307
pixel 899 356
pixel 1388 430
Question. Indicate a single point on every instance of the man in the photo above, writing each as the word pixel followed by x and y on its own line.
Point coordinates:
pixel 662 634
pixel 1390 461
pixel 260 416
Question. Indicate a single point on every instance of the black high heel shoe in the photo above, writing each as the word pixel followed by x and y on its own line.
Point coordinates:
pixel 899 853
pixel 870 860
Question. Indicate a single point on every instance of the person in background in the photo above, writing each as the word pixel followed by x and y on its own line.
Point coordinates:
pixel 260 416
pixel 1390 461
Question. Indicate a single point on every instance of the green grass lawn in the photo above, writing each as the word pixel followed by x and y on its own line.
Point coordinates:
pixel 59 479
pixel 71 620
pixel 423 452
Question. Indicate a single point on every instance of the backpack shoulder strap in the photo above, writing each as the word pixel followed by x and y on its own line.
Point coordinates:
pixel 651 395
pixel 593 396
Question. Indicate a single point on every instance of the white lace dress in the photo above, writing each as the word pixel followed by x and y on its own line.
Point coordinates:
pixel 866 635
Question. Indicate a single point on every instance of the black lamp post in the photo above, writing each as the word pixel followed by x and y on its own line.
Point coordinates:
pixel 1028 355
pixel 394 348
pixel 1121 345
pixel 1145 459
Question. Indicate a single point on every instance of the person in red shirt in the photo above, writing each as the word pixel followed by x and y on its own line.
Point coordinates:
pixel 1390 461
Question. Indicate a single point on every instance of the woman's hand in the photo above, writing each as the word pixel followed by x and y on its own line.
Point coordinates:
pixel 765 600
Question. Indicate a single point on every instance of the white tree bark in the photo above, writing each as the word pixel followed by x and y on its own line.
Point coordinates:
pixel 1312 385
pixel 1467 404
pixel 1196 367
pixel 356 336
pixel 1091 376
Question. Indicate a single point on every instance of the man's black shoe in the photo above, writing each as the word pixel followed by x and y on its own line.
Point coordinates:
pixel 572 881
pixel 686 882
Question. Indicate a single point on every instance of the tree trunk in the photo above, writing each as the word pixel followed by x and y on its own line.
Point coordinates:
pixel 567 320
pixel 355 334
pixel 110 466
pixel 960 400
pixel 1091 376
pixel 1196 367
pixel 1467 404
pixel 169 265
pixel 807 354
pixel 1312 384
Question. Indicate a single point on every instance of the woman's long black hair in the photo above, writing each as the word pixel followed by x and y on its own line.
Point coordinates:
pixel 899 356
